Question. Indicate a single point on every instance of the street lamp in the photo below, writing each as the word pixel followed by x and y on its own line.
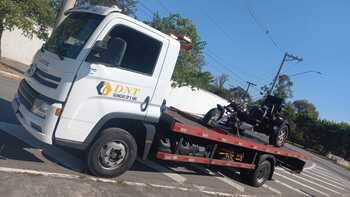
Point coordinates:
pixel 305 72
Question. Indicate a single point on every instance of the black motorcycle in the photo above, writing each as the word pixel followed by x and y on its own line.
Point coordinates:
pixel 264 118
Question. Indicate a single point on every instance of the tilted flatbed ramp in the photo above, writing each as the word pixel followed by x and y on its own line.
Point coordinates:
pixel 184 124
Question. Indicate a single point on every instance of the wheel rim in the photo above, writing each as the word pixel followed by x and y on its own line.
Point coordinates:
pixel 261 174
pixel 282 136
pixel 112 154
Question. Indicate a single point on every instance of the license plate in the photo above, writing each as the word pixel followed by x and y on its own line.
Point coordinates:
pixel 15 104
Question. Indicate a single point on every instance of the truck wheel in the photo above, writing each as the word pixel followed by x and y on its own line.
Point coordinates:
pixel 211 117
pixel 112 154
pixel 279 137
pixel 260 175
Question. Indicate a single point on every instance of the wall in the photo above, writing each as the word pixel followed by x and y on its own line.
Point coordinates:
pixel 17 47
pixel 196 101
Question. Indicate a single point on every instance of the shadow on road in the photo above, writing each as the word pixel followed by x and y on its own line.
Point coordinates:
pixel 6 113
pixel 14 149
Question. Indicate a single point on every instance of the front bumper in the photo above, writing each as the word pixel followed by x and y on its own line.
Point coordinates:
pixel 41 129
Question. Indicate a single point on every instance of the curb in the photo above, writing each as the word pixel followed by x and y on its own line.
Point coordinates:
pixel 6 63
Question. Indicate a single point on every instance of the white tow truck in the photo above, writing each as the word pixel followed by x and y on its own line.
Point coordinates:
pixel 98 84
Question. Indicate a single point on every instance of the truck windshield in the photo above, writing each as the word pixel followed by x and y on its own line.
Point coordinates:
pixel 71 35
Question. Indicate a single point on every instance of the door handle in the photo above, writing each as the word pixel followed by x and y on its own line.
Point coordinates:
pixel 145 103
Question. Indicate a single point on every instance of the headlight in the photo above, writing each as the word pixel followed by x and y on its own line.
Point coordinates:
pixel 40 108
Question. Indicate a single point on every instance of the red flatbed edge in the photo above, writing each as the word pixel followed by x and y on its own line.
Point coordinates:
pixel 203 160
pixel 182 124
pixel 215 136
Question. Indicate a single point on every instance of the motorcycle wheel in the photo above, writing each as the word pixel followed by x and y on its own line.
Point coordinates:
pixel 279 137
pixel 211 117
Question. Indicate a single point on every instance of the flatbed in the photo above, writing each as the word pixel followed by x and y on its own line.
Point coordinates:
pixel 240 152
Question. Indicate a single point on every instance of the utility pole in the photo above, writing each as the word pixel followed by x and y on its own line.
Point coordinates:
pixel 66 5
pixel 286 58
pixel 249 84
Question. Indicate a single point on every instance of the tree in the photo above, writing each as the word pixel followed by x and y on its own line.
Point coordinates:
pixel 219 88
pixel 33 17
pixel 188 70
pixel 56 5
pixel 204 79
pixel 128 7
pixel 283 88
pixel 238 93
pixel 305 108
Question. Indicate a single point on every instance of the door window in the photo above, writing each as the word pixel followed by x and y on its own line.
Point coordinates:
pixel 127 49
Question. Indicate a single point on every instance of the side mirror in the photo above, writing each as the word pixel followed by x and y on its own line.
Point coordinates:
pixel 117 48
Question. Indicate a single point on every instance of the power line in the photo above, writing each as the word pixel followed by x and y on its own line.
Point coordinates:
pixel 146 8
pixel 210 54
pixel 262 27
pixel 164 6
pixel 226 68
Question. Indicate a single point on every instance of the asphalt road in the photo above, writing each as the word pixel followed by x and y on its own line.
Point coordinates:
pixel 30 168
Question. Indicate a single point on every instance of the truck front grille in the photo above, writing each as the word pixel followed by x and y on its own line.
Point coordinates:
pixel 46 79
pixel 26 94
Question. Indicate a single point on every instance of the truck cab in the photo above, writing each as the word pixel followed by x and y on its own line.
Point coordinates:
pixel 98 84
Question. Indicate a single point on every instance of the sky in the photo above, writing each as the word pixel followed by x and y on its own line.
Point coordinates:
pixel 318 31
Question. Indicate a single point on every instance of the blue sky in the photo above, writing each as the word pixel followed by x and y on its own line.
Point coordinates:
pixel 319 31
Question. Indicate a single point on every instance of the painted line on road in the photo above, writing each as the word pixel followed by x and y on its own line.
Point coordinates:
pixel 10 75
pixel 310 167
pixel 164 170
pixel 221 177
pixel 302 184
pixel 312 182
pixel 290 187
pixel 322 181
pixel 331 175
pixel 325 177
pixel 115 181
pixel 272 189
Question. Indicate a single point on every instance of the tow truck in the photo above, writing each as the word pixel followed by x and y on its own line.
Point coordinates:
pixel 98 85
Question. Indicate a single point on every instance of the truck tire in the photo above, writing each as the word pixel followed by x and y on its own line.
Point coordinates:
pixel 260 175
pixel 112 154
pixel 279 137
pixel 211 117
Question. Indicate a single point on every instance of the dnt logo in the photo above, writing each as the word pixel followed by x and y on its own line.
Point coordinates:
pixel 104 88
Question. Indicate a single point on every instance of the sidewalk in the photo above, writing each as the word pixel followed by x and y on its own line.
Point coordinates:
pixel 14 65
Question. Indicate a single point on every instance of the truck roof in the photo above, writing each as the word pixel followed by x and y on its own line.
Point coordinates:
pixel 94 9
pixel 104 11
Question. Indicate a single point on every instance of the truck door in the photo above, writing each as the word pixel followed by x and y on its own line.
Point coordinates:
pixel 119 75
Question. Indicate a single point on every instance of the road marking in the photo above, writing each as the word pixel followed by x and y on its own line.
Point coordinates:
pixel 302 184
pixel 324 177
pixel 331 175
pixel 10 75
pixel 221 177
pixel 319 185
pixel 60 156
pixel 303 174
pixel 290 187
pixel 164 170
pixel 272 189
pixel 310 167
pixel 115 181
